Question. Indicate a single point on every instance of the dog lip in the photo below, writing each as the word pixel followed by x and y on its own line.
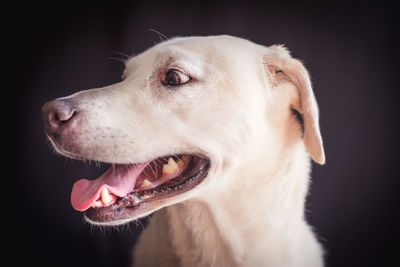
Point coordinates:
pixel 137 204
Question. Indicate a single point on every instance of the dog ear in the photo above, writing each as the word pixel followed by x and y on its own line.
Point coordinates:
pixel 281 67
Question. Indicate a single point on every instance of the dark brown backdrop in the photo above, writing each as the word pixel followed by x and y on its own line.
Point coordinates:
pixel 61 47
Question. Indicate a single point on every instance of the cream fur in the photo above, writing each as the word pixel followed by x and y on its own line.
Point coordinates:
pixel 249 211
pixel 257 217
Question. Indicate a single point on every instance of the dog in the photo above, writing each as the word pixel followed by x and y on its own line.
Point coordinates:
pixel 215 134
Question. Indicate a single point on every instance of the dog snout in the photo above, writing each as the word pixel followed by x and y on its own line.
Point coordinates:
pixel 58 114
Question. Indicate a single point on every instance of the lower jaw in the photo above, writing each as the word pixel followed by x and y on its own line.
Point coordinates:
pixel 138 204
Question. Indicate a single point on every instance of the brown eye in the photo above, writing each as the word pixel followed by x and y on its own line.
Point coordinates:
pixel 175 77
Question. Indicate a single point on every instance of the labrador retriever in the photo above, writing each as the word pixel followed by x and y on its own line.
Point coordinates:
pixel 215 134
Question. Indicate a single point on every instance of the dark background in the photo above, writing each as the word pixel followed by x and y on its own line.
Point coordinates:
pixel 349 48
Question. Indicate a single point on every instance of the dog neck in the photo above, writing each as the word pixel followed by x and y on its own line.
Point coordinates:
pixel 257 216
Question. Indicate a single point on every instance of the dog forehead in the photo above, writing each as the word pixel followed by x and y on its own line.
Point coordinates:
pixel 209 49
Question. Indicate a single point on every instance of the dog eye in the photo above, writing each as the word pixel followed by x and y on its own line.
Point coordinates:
pixel 175 77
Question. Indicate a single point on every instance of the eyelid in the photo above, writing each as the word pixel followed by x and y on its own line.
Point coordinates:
pixel 181 72
pixel 183 76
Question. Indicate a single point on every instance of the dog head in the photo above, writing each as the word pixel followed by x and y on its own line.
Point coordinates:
pixel 188 113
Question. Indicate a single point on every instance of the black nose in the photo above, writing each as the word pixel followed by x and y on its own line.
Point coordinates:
pixel 57 114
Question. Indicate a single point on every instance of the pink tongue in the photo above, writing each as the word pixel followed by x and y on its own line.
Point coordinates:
pixel 119 181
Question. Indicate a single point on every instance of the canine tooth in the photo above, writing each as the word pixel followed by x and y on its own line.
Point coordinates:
pixel 170 167
pixel 107 198
pixel 97 204
pixel 146 183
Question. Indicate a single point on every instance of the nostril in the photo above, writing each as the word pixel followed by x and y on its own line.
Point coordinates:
pixel 64 115
pixel 57 113
pixel 56 118
pixel 53 119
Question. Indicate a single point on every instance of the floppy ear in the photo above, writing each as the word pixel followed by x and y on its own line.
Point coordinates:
pixel 281 66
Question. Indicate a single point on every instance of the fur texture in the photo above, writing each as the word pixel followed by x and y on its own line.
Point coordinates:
pixel 236 110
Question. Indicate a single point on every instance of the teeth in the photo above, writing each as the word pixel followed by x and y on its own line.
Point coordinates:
pixel 97 204
pixel 146 184
pixel 181 162
pixel 171 167
pixel 107 198
pixel 136 199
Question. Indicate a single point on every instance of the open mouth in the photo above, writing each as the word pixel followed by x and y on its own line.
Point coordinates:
pixel 126 192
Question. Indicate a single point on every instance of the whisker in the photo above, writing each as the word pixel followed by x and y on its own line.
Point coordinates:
pixel 116 59
pixel 156 168
pixel 119 56
pixel 158 161
pixel 160 35
pixel 145 172
pixel 126 56
pixel 152 170
pixel 127 166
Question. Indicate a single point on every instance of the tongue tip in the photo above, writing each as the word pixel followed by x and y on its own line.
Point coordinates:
pixel 80 208
pixel 80 199
pixel 85 192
